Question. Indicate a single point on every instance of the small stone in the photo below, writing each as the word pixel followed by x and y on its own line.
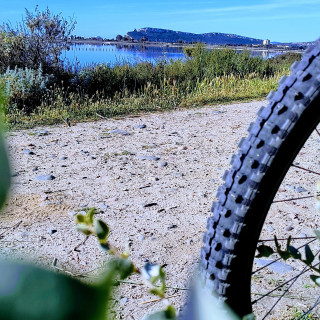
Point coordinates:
pixel 172 226
pixel 301 189
pixel 189 242
pixel 63 158
pixel 52 231
pixel 118 131
pixel 141 237
pixel 145 157
pixel 202 194
pixel 289 228
pixel 14 174
pixel 217 112
pixel 63 166
pixel 177 174
pixel 42 133
pixel 140 126
pixel 162 164
pixel 276 266
pixel 45 177
pixel 35 169
pixel 270 228
pixel 28 152
pixel 102 206
pixel 123 301
pixel 212 180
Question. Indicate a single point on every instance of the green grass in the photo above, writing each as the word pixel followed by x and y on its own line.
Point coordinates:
pixel 207 77
pixel 77 107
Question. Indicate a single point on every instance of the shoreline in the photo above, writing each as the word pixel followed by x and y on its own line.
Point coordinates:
pixel 182 45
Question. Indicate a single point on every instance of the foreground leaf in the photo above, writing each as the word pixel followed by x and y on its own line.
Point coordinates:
pixel 264 251
pixel 315 279
pixel 4 171
pixel 101 229
pixel 309 255
pixel 169 313
pixel 31 293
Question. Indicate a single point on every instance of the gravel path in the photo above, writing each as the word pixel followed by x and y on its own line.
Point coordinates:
pixel 152 177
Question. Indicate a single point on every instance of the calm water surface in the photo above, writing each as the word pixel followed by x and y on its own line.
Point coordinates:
pixel 85 54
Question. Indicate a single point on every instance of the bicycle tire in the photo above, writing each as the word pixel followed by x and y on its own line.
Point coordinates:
pixel 256 173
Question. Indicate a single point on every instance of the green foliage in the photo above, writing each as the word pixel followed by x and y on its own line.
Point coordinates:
pixel 169 313
pixel 4 163
pixel 31 293
pixel 292 252
pixel 37 41
pixel 25 87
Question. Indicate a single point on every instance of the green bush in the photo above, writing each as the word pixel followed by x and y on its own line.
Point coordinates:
pixel 25 87
pixel 37 41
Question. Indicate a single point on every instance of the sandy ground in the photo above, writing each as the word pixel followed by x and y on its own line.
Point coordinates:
pixel 153 179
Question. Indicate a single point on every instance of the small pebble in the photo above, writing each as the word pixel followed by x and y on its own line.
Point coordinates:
pixel 45 177
pixel 270 228
pixel 121 132
pixel 53 231
pixel 141 237
pixel 289 228
pixel 162 164
pixel 102 206
pixel 301 189
pixel 145 157
pixel 42 133
pixel 172 226
pixel 28 152
pixel 276 266
pixel 123 301
pixel 140 126
pixel 63 158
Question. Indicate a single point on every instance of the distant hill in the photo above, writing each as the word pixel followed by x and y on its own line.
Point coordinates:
pixel 164 35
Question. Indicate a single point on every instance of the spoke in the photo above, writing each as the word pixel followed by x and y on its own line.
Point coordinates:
pixel 305 269
pixel 304 316
pixel 274 261
pixel 293 199
pixel 286 290
pixel 305 169
pixel 297 238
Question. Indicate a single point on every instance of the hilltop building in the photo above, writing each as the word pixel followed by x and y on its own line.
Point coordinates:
pixel 266 42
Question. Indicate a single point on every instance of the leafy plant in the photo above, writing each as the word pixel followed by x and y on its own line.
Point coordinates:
pixel 153 275
pixel 25 87
pixel 37 41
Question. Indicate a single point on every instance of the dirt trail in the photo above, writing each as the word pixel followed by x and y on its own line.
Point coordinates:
pixel 153 178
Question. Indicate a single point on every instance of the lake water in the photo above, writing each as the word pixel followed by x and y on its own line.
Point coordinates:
pixel 85 54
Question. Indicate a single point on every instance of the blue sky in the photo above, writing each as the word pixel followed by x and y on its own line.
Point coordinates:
pixel 277 20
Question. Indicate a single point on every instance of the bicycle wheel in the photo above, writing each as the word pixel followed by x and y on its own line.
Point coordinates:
pixel 257 171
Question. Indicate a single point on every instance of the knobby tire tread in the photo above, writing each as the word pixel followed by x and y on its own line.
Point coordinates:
pixel 263 159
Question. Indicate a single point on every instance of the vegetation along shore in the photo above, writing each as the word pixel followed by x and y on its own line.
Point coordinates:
pixel 42 89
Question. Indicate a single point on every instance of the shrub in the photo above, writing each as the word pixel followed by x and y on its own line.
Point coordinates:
pixel 25 87
pixel 37 41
